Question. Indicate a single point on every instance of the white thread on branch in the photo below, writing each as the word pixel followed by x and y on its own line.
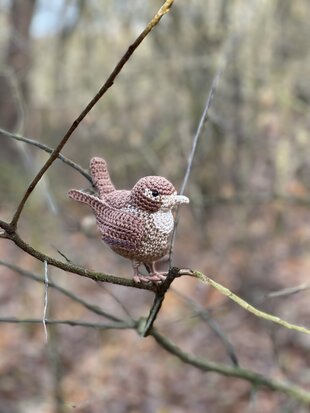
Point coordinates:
pixel 45 300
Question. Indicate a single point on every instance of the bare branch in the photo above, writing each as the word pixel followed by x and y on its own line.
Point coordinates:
pixel 250 376
pixel 200 129
pixel 161 290
pixel 117 300
pixel 200 363
pixel 48 150
pixel 251 198
pixel 289 291
pixel 109 82
pixel 121 325
pixel 93 308
pixel 159 298
pixel 69 267
pixel 248 307
pixel 6 227
pixel 204 314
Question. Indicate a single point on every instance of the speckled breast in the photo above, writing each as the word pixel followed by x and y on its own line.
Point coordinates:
pixel 154 244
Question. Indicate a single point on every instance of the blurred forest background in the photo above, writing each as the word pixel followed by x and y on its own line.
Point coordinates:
pixel 247 226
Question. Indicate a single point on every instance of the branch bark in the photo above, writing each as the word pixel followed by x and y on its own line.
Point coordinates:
pixel 250 376
pixel 69 267
pixel 201 363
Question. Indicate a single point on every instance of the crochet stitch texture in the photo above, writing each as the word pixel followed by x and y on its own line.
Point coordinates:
pixel 134 223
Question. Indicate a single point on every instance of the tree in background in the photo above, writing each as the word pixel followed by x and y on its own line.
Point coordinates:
pixel 249 197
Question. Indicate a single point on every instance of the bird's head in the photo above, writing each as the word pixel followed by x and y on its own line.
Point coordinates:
pixel 155 193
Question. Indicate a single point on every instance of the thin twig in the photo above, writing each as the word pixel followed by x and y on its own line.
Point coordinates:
pixel 93 308
pixel 248 307
pixel 29 161
pixel 116 299
pixel 288 291
pixel 114 326
pixel 200 363
pixel 130 283
pixel 202 124
pixel 62 254
pixel 48 150
pixel 69 267
pixel 200 129
pixel 109 82
pixel 159 298
pixel 205 315
pixel 250 376
pixel 250 198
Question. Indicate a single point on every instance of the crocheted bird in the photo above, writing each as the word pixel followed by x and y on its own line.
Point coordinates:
pixel 134 223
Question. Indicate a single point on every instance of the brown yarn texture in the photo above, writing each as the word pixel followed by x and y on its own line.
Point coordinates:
pixel 132 222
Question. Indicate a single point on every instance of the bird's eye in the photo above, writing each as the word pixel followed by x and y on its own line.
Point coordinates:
pixel 155 193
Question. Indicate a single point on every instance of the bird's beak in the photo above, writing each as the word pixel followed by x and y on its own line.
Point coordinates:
pixel 180 199
pixel 172 200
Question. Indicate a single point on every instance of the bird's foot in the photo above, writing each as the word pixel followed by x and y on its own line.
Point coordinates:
pixel 156 278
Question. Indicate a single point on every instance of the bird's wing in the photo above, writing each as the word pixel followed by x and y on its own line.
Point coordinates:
pixel 120 228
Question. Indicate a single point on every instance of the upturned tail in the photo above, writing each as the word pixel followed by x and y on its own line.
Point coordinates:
pixel 101 178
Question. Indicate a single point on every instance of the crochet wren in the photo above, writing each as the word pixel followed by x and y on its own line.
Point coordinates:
pixel 136 223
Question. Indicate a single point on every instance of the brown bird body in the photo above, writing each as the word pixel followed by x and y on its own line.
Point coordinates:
pixel 134 223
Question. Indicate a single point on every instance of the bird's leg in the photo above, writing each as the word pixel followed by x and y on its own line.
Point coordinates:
pixel 154 274
pixel 137 276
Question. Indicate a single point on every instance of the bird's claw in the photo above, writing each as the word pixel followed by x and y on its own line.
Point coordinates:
pixel 155 278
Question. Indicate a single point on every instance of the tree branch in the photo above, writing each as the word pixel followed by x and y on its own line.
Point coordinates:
pixel 109 82
pixel 251 198
pixel 204 314
pixel 48 150
pixel 248 307
pixel 200 363
pixel 159 298
pixel 252 377
pixel 121 325
pixel 288 291
pixel 200 129
pixel 69 267
pixel 93 308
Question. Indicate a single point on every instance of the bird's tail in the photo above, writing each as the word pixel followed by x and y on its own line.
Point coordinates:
pixel 101 178
pixel 98 205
